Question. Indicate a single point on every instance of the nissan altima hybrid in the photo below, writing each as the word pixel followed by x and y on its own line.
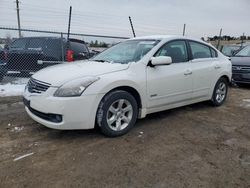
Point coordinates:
pixel 134 78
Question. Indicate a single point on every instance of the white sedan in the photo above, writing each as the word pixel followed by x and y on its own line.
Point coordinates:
pixel 128 81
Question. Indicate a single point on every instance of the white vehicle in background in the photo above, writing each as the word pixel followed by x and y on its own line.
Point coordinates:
pixel 128 81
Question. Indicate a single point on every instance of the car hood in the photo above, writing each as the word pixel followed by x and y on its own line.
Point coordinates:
pixel 245 61
pixel 59 74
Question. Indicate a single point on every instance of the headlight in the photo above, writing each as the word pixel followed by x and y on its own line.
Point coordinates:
pixel 75 87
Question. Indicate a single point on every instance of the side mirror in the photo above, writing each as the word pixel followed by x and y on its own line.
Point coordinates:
pixel 161 60
pixel 84 55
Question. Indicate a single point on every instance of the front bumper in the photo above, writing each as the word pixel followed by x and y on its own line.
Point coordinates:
pixel 75 112
pixel 241 77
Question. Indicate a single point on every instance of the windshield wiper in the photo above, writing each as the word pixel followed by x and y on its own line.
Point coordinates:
pixel 241 56
pixel 101 60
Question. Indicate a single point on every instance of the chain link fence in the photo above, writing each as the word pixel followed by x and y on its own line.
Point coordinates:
pixel 35 50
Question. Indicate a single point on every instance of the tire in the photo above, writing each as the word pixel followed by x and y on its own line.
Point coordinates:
pixel 25 74
pixel 117 113
pixel 220 92
pixel 2 74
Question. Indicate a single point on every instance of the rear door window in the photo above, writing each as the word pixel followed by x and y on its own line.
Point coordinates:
pixel 36 44
pixel 19 44
pixel 199 50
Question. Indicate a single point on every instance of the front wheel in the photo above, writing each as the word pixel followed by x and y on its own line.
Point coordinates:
pixel 117 113
pixel 220 92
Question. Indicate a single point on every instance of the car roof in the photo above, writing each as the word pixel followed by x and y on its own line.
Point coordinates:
pixel 70 39
pixel 170 37
pixel 155 37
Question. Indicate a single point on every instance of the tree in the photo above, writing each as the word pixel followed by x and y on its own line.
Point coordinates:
pixel 243 37
pixel 96 43
pixel 91 43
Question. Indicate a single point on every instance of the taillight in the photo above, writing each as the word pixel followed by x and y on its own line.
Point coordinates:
pixel 70 55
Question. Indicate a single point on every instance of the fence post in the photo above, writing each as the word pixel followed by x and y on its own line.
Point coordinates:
pixel 184 30
pixel 18 19
pixel 242 39
pixel 70 12
pixel 218 44
pixel 62 47
pixel 132 27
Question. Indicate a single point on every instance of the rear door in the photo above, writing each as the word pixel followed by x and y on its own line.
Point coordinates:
pixel 34 54
pixel 53 51
pixel 204 65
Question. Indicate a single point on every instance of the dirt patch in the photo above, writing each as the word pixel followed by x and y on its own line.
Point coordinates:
pixel 193 146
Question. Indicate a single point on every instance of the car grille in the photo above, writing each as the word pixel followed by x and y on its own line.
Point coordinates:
pixel 36 86
pixel 239 68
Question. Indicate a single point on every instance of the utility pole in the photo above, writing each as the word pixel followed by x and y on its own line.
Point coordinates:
pixel 218 44
pixel 18 18
pixel 132 27
pixel 70 11
pixel 184 30
pixel 242 39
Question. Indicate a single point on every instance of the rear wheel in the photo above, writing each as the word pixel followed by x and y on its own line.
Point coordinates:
pixel 117 113
pixel 2 74
pixel 220 92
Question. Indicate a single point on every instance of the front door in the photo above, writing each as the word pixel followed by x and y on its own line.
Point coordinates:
pixel 170 84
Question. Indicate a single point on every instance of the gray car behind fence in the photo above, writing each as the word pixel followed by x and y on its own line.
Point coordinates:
pixel 21 57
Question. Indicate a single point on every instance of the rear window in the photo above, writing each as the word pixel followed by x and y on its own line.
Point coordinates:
pixel 19 44
pixel 78 47
pixel 36 44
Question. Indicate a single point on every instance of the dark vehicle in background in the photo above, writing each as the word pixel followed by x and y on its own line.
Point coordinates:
pixel 2 64
pixel 241 66
pixel 30 54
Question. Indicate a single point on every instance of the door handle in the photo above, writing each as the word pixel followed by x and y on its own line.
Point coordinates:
pixel 217 66
pixel 188 72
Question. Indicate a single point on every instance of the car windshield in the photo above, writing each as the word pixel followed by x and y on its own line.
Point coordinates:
pixel 245 52
pixel 125 52
pixel 229 50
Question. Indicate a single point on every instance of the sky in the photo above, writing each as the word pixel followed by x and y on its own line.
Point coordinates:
pixel 203 18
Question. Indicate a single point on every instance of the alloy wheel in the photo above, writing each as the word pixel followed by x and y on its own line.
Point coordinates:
pixel 119 114
pixel 221 92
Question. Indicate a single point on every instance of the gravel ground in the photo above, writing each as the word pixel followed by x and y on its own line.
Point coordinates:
pixel 194 146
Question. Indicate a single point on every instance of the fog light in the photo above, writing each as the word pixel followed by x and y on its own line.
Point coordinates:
pixel 55 118
pixel 58 118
